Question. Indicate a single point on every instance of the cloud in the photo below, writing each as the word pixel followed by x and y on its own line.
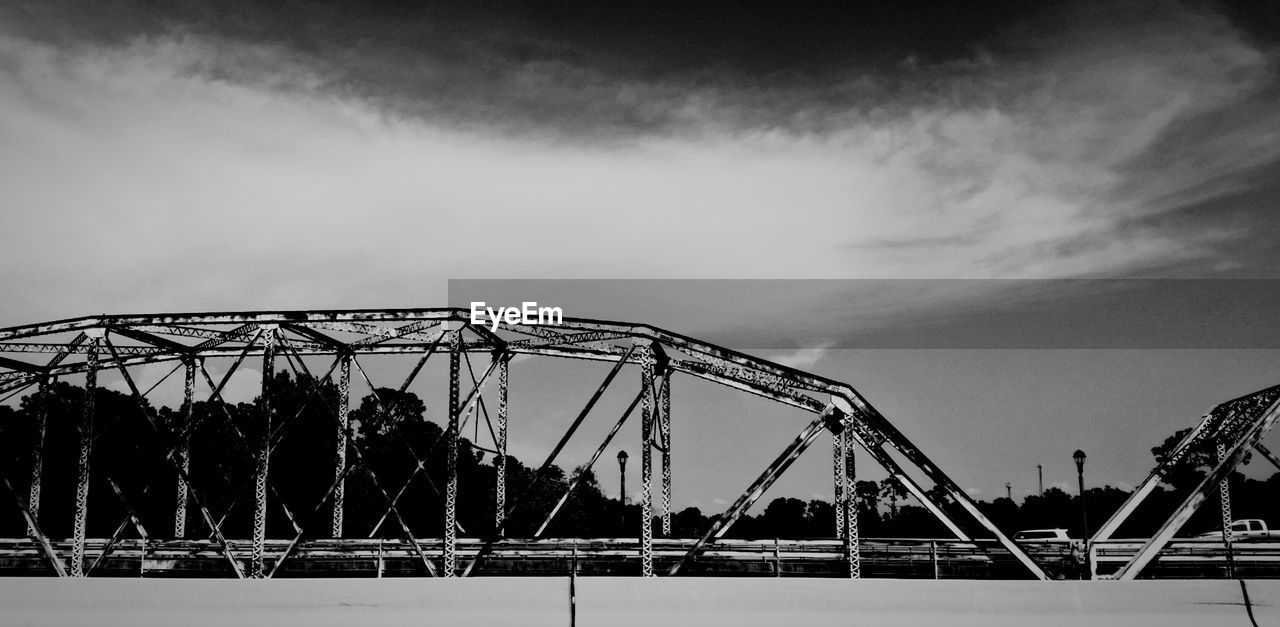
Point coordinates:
pixel 719 501
pixel 203 173
pixel 803 358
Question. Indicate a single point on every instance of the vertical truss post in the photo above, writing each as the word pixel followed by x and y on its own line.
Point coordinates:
pixel 500 460
pixel 263 455
pixel 37 457
pixel 451 443
pixel 86 449
pixel 851 539
pixel 340 450
pixel 183 453
pixel 839 443
pixel 646 462
pixel 664 424
pixel 1224 500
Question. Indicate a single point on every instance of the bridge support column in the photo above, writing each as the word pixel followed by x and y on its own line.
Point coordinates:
pixel 839 443
pixel 341 443
pixel 183 457
pixel 664 424
pixel 1224 499
pixel 256 567
pixel 86 450
pixel 451 444
pixel 850 506
pixel 646 462
pixel 37 457
pixel 500 460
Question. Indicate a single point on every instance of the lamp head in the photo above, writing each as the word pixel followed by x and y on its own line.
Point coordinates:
pixel 1079 457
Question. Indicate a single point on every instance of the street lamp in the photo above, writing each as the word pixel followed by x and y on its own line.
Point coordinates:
pixel 1084 514
pixel 1078 456
pixel 622 484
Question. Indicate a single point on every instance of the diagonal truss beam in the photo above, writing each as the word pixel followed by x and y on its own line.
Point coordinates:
pixel 590 463
pixel 1234 455
pixel 831 418
pixel 172 457
pixel 33 527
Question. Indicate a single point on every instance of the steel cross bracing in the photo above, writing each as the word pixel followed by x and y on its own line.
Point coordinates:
pixel 1228 433
pixel 82 346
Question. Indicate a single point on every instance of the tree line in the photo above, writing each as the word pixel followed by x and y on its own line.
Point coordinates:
pixel 405 452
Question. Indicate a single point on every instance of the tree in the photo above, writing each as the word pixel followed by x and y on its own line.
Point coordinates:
pixel 783 518
pixel 689 523
pixel 867 498
pixel 892 489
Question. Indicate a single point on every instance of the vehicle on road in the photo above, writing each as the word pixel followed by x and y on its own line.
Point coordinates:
pixel 1247 530
pixel 1042 535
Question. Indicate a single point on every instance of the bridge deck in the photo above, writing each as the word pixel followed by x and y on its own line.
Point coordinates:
pixel 889 557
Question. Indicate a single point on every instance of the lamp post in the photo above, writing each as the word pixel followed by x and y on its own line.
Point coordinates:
pixel 1084 512
pixel 1008 490
pixel 1040 477
pixel 1078 456
pixel 622 484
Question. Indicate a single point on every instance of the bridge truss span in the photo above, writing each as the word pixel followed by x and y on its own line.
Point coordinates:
pixel 334 350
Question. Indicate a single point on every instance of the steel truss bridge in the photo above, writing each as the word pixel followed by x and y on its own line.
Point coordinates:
pixel 83 348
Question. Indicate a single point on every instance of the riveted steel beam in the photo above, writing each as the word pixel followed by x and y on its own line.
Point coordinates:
pixel 342 441
pixel 263 458
pixel 664 418
pixel 86 452
pixel 451 443
pixel 500 445
pixel 37 457
pixel 184 449
pixel 152 339
pixel 648 361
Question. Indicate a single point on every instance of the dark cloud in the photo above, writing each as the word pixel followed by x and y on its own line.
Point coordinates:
pixel 585 68
pixel 653 38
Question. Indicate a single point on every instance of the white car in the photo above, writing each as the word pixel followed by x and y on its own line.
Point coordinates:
pixel 1246 530
pixel 1042 535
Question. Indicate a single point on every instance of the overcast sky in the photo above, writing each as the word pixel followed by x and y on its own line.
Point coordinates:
pixel 172 157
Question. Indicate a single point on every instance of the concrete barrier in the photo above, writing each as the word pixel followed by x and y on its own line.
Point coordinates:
pixel 287 602
pixel 795 602
pixel 610 601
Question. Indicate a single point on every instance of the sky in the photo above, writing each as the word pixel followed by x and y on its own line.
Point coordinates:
pixel 170 156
